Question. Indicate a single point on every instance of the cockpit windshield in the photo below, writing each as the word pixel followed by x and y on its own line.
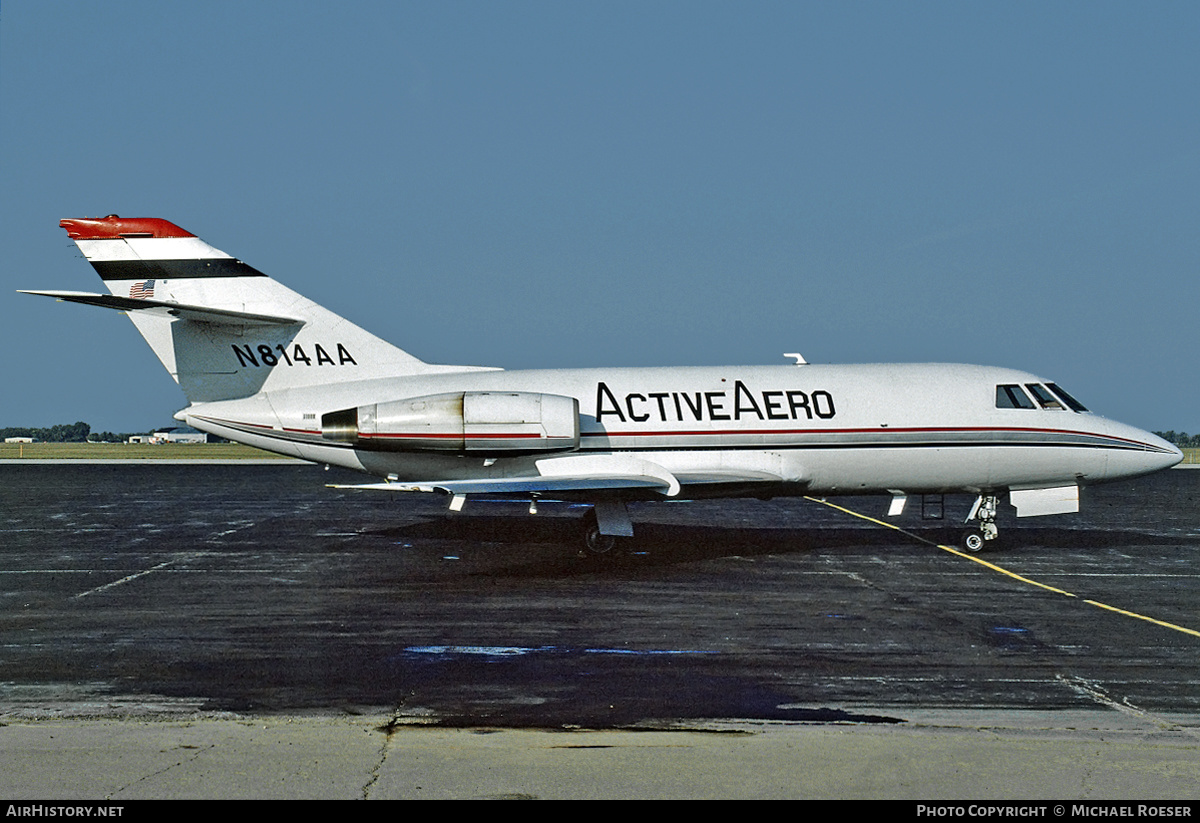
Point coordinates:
pixel 1045 399
pixel 1066 398
pixel 1049 396
pixel 1012 397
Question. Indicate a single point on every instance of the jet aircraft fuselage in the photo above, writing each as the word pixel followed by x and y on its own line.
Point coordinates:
pixel 261 364
pixel 807 429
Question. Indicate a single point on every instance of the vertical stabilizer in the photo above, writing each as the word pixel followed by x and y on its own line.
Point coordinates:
pixel 223 329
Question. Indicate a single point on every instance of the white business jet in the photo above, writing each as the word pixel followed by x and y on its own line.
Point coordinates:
pixel 264 366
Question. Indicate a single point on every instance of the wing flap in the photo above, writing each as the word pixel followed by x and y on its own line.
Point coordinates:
pixel 692 478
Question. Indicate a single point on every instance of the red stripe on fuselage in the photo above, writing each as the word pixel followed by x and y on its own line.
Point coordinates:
pixel 454 435
pixel 724 433
pixel 879 430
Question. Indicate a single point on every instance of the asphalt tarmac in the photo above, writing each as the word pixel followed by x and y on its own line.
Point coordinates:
pixel 244 631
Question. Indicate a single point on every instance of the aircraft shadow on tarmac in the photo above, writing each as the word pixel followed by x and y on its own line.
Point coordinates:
pixel 658 543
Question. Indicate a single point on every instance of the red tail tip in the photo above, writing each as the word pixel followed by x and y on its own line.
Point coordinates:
pixel 113 227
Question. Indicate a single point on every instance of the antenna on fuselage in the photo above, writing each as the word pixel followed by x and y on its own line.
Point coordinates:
pixel 800 361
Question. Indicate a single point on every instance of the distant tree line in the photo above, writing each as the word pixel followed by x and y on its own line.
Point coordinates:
pixel 79 432
pixel 61 433
pixel 1181 439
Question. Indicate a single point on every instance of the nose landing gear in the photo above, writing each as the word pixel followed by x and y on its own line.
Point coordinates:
pixel 977 538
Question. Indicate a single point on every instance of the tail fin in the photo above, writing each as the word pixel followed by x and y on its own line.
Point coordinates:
pixel 223 329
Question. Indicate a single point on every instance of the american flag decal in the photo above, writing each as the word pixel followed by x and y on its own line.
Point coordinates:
pixel 142 290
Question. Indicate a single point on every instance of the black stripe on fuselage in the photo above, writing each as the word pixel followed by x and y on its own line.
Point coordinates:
pixel 1079 440
pixel 847 446
pixel 173 269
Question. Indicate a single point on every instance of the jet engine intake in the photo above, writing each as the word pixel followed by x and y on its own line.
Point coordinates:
pixel 466 422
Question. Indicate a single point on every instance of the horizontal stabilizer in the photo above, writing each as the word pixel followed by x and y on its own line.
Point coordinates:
pixel 162 308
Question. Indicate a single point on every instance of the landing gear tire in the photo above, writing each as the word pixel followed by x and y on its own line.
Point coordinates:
pixel 973 540
pixel 595 543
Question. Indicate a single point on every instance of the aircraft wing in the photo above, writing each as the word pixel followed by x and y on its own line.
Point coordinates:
pixel 555 474
pixel 512 485
pixel 578 473
pixel 200 314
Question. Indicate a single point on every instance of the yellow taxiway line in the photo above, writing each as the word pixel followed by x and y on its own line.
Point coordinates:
pixel 1004 571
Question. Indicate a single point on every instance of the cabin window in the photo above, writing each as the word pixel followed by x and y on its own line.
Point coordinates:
pixel 1066 398
pixel 1012 397
pixel 1044 397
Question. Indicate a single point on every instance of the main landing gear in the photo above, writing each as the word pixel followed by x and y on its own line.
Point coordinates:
pixel 974 539
pixel 604 527
pixel 595 542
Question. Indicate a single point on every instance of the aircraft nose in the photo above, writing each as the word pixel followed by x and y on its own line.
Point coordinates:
pixel 1176 455
pixel 1143 454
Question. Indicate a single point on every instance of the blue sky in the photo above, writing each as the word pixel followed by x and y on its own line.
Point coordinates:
pixel 529 184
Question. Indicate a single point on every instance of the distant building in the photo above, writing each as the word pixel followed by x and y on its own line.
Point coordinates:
pixel 18 440
pixel 179 434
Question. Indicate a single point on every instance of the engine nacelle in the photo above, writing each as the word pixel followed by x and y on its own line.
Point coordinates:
pixel 470 422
